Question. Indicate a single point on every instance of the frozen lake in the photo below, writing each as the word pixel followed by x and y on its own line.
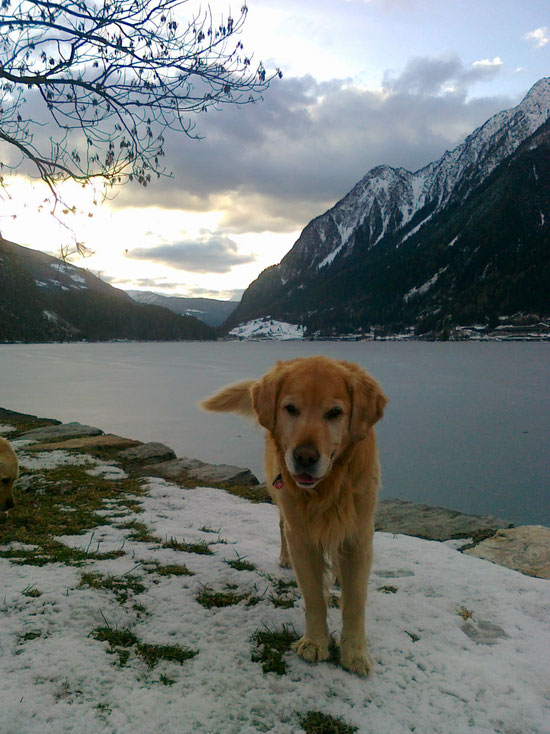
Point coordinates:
pixel 467 426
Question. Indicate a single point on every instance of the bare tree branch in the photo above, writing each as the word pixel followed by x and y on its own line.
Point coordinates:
pixel 111 76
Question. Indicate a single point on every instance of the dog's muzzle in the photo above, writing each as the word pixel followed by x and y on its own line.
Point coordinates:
pixel 306 464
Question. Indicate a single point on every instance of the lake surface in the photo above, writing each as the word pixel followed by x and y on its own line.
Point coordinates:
pixel 467 426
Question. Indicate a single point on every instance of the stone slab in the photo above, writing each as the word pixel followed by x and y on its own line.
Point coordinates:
pixel 525 548
pixel 433 523
pixel 202 472
pixel 148 453
pixel 15 419
pixel 60 432
pixel 108 440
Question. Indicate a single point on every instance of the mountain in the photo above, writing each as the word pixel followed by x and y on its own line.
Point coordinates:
pixel 209 310
pixel 45 299
pixel 464 240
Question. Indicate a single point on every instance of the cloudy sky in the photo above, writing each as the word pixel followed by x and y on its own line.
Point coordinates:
pixel 364 82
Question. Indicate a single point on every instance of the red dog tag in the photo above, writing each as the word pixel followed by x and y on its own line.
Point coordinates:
pixel 278 482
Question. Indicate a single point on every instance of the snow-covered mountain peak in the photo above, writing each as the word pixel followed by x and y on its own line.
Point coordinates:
pixel 387 199
pixel 538 97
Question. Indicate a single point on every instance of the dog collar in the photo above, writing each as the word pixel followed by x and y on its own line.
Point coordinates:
pixel 278 482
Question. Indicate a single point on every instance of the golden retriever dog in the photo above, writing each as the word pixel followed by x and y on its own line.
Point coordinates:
pixel 322 470
pixel 9 471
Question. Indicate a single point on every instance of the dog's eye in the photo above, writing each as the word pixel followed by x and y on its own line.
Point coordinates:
pixel 5 480
pixel 333 414
pixel 291 409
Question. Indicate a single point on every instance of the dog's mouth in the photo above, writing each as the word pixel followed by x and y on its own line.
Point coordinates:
pixel 305 480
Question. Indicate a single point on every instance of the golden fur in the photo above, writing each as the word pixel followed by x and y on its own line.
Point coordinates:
pixel 322 457
pixel 9 471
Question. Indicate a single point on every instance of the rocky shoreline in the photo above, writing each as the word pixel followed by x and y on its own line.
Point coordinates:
pixel 525 548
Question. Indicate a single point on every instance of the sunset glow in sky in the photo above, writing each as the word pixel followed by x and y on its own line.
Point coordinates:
pixel 365 82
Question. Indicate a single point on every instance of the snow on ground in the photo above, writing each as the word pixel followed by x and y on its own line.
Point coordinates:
pixel 437 670
pixel 51 459
pixel 268 329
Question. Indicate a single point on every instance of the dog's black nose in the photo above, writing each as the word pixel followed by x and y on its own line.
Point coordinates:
pixel 8 505
pixel 305 456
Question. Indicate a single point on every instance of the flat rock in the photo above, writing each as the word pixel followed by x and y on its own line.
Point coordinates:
pixel 202 472
pixel 15 419
pixel 525 549
pixel 433 523
pixel 60 432
pixel 147 453
pixel 108 440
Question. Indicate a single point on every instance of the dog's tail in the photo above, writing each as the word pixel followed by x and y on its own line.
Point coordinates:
pixel 232 399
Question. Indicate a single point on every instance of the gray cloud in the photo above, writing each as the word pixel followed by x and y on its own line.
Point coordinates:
pixel 218 254
pixel 273 165
pixel 286 159
pixel 426 76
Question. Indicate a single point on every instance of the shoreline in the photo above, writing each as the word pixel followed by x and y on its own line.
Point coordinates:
pixel 476 535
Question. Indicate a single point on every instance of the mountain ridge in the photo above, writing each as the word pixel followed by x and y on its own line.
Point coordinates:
pixel 383 213
pixel 210 310
pixel 43 298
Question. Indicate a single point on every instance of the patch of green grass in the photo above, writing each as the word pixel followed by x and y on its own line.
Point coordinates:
pixel 209 598
pixel 239 564
pixel 282 602
pixel 57 502
pixel 257 493
pixel 166 681
pixel 280 585
pixel 201 547
pixel 130 504
pixel 169 570
pixel 153 654
pixel 388 589
pixel 32 635
pixel 31 592
pixel 120 586
pixel 121 642
pixel 284 594
pixel 115 637
pixel 55 552
pixel 140 532
pixel 315 722
pixel 208 529
pixel 271 646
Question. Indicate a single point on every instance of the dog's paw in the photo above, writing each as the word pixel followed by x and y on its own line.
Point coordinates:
pixel 284 562
pixel 311 650
pixel 355 658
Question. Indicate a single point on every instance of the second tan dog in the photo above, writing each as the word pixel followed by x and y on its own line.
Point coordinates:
pixel 322 468
pixel 9 471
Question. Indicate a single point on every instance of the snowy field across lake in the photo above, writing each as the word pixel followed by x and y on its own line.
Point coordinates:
pixel 467 425
pixel 161 617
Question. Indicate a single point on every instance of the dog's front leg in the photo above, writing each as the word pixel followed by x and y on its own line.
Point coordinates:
pixel 308 564
pixel 284 558
pixel 354 567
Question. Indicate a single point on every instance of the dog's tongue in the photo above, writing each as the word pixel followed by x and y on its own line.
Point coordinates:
pixel 305 478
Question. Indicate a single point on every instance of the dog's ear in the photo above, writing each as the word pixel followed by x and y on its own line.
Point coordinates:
pixel 367 403
pixel 264 396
